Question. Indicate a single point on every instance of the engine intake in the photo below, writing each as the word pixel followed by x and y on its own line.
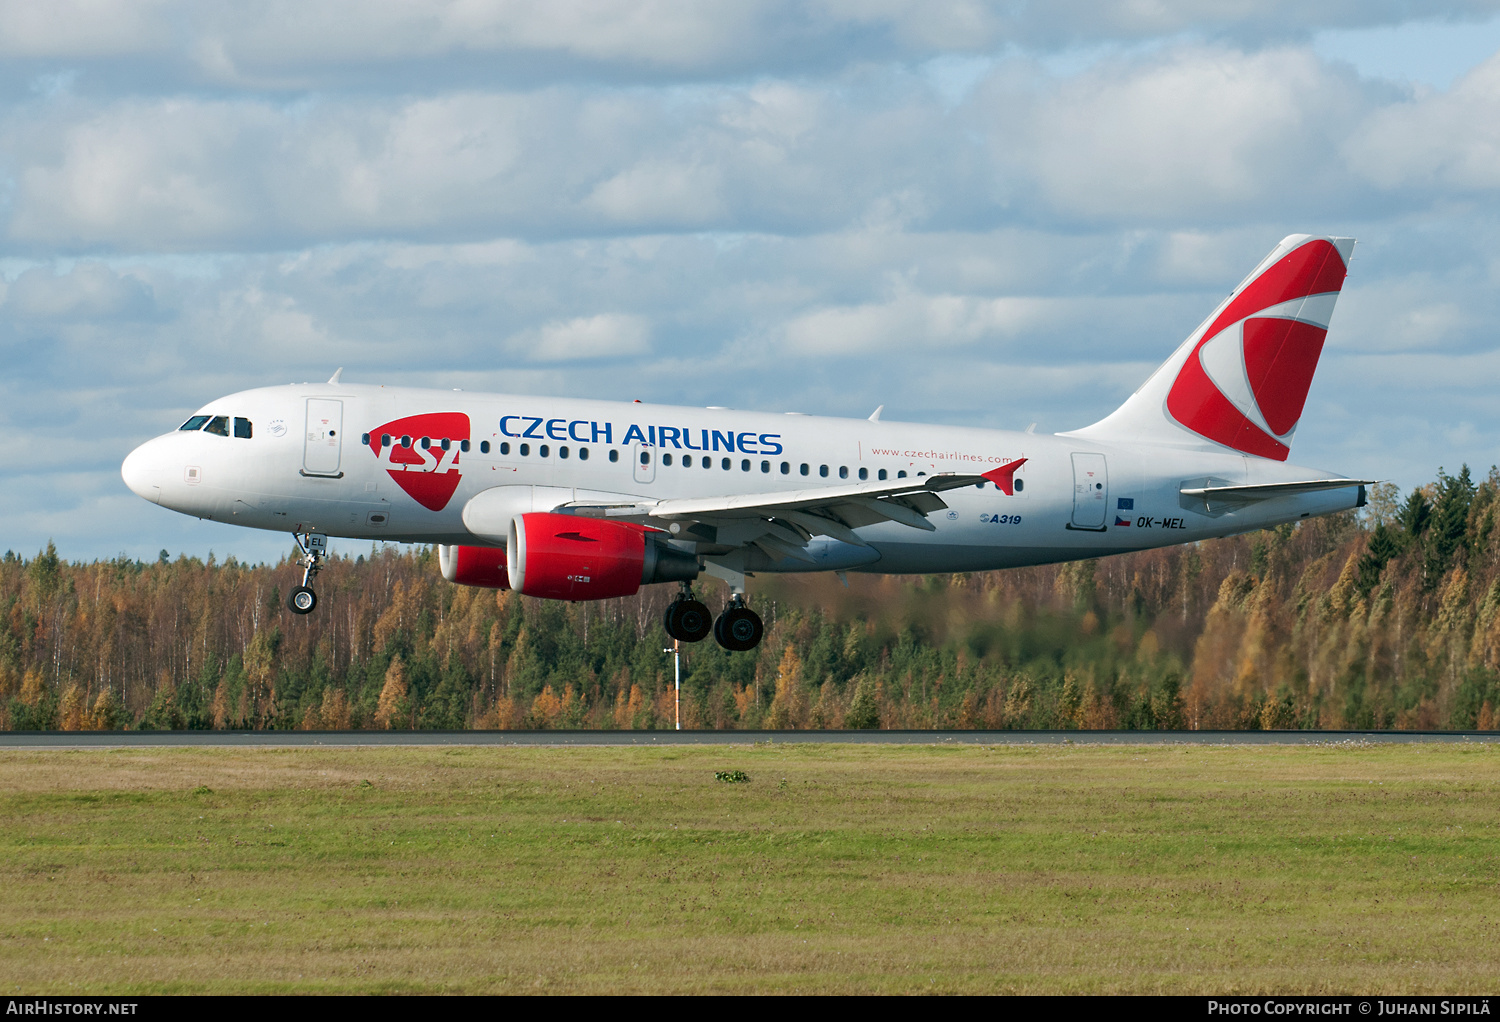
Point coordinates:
pixel 482 566
pixel 567 557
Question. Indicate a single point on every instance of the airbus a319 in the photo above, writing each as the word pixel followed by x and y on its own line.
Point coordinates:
pixel 570 499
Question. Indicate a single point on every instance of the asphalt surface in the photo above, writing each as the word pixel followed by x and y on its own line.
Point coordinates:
pixel 346 739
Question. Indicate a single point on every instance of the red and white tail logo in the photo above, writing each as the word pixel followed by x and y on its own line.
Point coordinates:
pixel 1246 380
pixel 1241 379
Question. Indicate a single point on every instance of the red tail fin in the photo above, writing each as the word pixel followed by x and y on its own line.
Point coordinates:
pixel 1241 379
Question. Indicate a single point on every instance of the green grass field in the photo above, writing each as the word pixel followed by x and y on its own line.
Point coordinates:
pixel 835 869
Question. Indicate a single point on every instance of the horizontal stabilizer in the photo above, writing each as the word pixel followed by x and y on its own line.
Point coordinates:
pixel 1224 495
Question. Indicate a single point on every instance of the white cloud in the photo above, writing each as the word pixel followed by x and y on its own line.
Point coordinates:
pixel 1438 140
pixel 88 291
pixel 84 28
pixel 662 193
pixel 605 336
pixel 1197 132
pixel 916 322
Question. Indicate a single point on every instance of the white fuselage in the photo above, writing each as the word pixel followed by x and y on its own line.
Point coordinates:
pixel 314 463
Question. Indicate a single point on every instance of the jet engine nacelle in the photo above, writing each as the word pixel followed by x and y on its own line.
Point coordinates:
pixel 569 557
pixel 482 566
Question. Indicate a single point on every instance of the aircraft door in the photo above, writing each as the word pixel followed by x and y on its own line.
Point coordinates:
pixel 643 462
pixel 1090 491
pixel 325 437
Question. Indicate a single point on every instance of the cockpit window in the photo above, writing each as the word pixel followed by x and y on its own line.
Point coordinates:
pixel 218 425
pixel 196 422
pixel 242 428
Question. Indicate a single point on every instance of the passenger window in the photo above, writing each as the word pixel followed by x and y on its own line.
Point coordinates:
pixel 484 447
pixel 765 466
pixel 426 443
pixel 463 446
pixel 786 468
pixel 543 451
pixel 218 425
pixel 1019 485
pixel 406 441
pixel 687 461
pixel 881 475
pixel 666 459
pixel 614 455
pixel 823 471
pixel 562 452
pixel 525 450
pixel 645 457
pixel 364 438
pixel 804 468
pixel 583 454
pixel 195 423
pixel 725 464
pixel 385 440
pixel 864 474
pixel 901 474
pixel 504 447
pixel 446 444
pixel 242 428
pixel 843 472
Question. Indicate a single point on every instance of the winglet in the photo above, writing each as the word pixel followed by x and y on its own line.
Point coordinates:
pixel 336 374
pixel 875 415
pixel 1004 477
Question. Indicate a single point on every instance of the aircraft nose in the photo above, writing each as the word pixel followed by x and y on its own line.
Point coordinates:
pixel 141 474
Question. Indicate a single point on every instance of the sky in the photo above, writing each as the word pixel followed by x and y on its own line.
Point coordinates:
pixel 971 213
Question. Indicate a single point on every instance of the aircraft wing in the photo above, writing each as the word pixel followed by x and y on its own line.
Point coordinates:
pixel 783 523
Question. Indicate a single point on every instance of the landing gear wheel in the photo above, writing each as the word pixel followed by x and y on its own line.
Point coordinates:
pixel 688 620
pixel 739 629
pixel 302 600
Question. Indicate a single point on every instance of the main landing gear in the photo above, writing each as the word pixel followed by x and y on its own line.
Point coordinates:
pixel 738 629
pixel 302 599
pixel 686 619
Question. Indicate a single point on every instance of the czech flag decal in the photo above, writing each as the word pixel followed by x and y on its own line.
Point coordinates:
pixel 1121 522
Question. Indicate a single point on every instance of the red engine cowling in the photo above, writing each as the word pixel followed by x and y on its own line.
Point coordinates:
pixel 569 557
pixel 481 566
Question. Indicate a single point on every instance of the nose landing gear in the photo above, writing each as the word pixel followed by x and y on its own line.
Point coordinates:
pixel 302 599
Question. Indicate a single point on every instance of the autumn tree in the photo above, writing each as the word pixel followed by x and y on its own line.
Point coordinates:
pixel 394 707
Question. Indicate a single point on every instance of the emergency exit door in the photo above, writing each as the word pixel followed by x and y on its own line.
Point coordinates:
pixel 1090 491
pixel 325 437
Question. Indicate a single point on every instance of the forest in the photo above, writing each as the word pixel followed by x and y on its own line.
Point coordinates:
pixel 1386 618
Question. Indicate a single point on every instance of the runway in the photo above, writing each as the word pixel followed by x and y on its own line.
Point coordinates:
pixel 348 739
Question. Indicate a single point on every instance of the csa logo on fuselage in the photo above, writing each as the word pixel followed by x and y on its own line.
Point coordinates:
pixel 422 455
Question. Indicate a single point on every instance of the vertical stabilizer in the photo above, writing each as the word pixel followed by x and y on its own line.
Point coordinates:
pixel 1240 380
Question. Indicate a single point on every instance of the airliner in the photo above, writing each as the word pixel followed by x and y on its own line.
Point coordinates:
pixel 570 499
